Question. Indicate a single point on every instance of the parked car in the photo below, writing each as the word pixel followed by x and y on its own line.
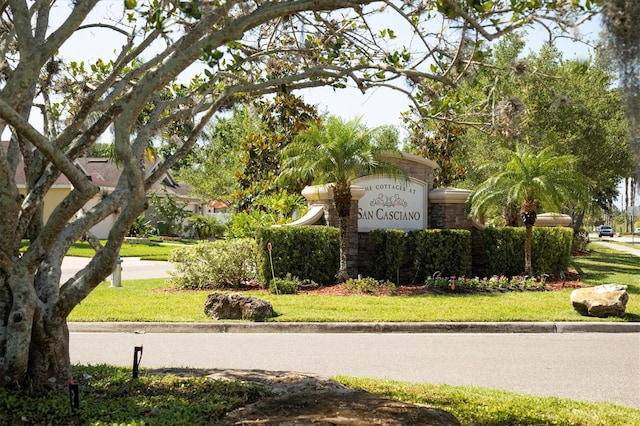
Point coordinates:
pixel 605 231
pixel 636 231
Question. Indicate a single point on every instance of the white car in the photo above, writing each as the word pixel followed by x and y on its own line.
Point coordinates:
pixel 636 231
pixel 605 231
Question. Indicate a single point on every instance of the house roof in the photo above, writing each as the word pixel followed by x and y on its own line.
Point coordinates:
pixel 218 204
pixel 100 171
pixel 105 173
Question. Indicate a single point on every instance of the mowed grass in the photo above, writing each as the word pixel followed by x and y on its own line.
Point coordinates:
pixel 153 300
pixel 606 266
pixel 151 251
pixel 488 407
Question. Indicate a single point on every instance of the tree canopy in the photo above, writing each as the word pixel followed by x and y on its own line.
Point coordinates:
pixel 533 99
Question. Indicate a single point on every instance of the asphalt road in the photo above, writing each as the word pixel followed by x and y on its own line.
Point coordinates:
pixel 581 366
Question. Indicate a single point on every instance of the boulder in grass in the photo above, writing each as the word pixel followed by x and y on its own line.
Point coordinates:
pixel 237 306
pixel 608 300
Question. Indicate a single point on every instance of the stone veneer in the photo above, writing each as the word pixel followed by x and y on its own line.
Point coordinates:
pixel 448 209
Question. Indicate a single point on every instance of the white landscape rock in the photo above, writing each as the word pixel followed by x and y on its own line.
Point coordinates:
pixel 601 301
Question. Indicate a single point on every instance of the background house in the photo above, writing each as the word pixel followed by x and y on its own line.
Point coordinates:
pixel 105 173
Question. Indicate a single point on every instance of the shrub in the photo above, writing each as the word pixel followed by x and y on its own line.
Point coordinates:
pixel 500 251
pixel 447 251
pixel 386 253
pixel 309 252
pixel 141 227
pixel 204 227
pixel 287 285
pixel 216 264
pixel 245 225
pixel 551 250
pixel 580 241
pixel 370 285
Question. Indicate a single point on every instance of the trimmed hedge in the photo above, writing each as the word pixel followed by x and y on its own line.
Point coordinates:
pixel 550 250
pixel 386 253
pixel 500 251
pixel 446 251
pixel 308 252
pixel 418 254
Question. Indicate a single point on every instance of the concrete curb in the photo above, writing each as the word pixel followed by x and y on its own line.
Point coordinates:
pixel 365 327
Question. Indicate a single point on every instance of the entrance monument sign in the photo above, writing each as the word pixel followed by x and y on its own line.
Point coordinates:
pixel 390 203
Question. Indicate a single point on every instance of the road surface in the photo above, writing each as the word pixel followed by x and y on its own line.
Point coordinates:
pixel 581 366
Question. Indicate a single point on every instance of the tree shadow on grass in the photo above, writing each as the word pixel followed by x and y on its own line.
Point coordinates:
pixel 599 265
pixel 631 317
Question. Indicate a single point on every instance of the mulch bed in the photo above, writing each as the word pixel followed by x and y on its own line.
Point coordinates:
pixel 571 280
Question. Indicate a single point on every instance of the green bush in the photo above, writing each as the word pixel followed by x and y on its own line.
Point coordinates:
pixel 551 250
pixel 446 251
pixel 287 285
pixel 204 227
pixel 309 252
pixel 500 251
pixel 141 227
pixel 245 225
pixel 386 253
pixel 214 264
pixel 370 285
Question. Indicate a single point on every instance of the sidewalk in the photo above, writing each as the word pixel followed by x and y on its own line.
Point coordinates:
pixel 619 247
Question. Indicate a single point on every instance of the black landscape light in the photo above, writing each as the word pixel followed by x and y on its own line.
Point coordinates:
pixel 74 396
pixel 136 360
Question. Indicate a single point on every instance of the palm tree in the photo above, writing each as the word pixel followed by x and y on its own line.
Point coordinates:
pixel 532 181
pixel 337 152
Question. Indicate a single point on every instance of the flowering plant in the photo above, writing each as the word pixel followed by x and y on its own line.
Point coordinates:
pixel 476 284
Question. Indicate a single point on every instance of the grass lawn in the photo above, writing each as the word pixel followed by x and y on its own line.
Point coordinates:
pixel 154 250
pixel 149 300
pixel 488 407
